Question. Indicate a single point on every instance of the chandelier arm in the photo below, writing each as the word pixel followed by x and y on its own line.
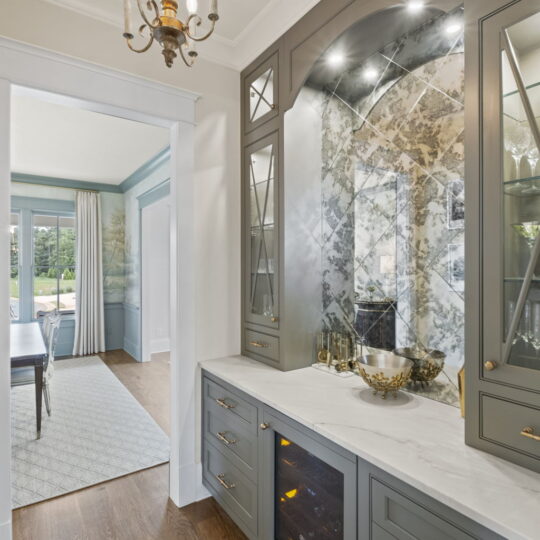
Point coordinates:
pixel 144 49
pixel 188 64
pixel 153 4
pixel 194 38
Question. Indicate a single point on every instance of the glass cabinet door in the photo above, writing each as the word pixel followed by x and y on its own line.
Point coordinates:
pixel 262 233
pixel 261 90
pixel 512 198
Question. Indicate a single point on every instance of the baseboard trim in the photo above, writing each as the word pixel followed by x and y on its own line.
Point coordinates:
pixel 5 531
pixel 160 345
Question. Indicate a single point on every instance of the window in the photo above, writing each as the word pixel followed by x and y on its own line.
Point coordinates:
pixel 53 263
pixel 14 262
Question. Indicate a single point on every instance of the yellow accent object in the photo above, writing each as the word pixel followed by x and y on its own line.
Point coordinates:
pixel 291 494
pixel 285 442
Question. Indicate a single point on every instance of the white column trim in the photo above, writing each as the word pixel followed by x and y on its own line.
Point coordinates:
pixel 5 372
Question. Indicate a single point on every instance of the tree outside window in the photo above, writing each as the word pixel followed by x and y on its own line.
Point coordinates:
pixel 14 295
pixel 54 263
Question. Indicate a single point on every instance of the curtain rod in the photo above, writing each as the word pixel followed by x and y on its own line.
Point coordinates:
pixel 52 186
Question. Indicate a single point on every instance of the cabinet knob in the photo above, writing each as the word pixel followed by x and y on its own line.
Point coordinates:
pixel 275 319
pixel 264 426
pixel 490 365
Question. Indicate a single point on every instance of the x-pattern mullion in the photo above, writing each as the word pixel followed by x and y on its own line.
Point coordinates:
pixel 261 218
pixel 261 95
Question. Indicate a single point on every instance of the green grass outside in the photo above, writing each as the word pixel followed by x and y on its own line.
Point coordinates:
pixel 44 286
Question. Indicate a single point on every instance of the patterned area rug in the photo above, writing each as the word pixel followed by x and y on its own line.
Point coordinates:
pixel 98 431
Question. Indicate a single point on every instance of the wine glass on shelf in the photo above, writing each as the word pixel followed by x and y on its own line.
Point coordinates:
pixel 511 309
pixel 535 327
pixel 518 143
pixel 533 156
pixel 528 230
pixel 525 325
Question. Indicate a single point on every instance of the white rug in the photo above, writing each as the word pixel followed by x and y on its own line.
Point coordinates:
pixel 97 431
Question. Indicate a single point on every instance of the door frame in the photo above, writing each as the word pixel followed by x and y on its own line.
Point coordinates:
pixel 29 70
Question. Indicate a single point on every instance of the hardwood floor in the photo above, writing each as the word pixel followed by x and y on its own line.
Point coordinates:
pixel 135 507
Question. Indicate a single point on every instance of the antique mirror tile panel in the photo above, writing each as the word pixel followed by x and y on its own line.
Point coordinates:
pixel 390 228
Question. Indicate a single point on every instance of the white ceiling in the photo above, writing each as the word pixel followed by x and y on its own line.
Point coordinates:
pixel 64 142
pixel 245 29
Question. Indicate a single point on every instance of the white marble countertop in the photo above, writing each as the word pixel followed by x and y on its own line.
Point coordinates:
pixel 415 439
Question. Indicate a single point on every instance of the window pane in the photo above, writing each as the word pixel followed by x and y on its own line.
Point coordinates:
pixel 45 289
pixel 14 293
pixel 66 289
pixel 45 240
pixel 14 231
pixel 66 243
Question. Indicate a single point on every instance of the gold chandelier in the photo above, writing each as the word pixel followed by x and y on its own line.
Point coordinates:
pixel 168 30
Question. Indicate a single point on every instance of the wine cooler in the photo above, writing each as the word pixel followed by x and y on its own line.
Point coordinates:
pixel 310 487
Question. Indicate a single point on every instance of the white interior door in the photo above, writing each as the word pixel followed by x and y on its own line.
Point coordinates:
pixel 155 279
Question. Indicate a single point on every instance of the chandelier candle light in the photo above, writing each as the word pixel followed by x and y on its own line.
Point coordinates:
pixel 169 31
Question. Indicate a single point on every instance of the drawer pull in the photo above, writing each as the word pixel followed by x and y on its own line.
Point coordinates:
pixel 222 403
pixel 259 344
pixel 265 426
pixel 529 433
pixel 221 436
pixel 221 479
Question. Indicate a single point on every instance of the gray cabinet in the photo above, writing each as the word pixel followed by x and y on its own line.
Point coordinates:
pixel 278 479
pixel 503 230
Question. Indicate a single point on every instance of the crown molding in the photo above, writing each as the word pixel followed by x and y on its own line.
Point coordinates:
pixel 265 28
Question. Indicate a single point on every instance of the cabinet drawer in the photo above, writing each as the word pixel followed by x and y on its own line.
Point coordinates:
pixel 231 488
pixel 262 345
pixel 233 437
pixel 503 422
pixel 404 519
pixel 229 403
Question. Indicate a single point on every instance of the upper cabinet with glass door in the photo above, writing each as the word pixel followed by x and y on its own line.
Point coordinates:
pixel 511 67
pixel 261 90
pixel 261 293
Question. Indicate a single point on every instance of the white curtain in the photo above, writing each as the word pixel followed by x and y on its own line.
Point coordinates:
pixel 89 314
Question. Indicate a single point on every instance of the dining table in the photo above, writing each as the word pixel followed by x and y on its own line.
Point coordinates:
pixel 28 349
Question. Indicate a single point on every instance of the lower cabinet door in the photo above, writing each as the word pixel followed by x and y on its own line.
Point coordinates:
pixel 308 486
pixel 406 520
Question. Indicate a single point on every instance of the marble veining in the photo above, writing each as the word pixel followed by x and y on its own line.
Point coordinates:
pixel 417 440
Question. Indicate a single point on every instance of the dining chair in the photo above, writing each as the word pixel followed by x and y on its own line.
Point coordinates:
pixel 48 371
pixel 23 376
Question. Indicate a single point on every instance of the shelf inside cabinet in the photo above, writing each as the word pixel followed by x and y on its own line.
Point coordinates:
pixel 523 187
pixel 520 280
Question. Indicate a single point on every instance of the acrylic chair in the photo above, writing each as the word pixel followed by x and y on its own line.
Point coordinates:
pixel 24 376
pixel 48 371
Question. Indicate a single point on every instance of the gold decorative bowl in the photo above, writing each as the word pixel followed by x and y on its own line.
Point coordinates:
pixel 427 363
pixel 385 372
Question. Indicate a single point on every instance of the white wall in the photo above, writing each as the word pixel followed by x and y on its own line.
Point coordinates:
pixel 155 276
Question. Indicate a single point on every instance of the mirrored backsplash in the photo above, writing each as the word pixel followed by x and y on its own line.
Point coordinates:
pixel 387 137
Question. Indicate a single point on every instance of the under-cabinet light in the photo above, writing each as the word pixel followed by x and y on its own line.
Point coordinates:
pixel 414 6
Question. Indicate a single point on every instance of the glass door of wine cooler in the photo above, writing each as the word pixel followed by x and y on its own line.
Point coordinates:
pixel 310 489
pixel 511 235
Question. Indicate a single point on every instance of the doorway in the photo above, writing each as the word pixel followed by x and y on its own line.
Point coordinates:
pixel 28 71
pixel 155 275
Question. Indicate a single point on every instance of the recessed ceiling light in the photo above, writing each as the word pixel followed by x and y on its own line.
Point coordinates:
pixel 336 59
pixel 453 28
pixel 370 74
pixel 415 6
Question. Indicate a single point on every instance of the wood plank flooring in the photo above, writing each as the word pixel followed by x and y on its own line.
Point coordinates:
pixel 135 507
